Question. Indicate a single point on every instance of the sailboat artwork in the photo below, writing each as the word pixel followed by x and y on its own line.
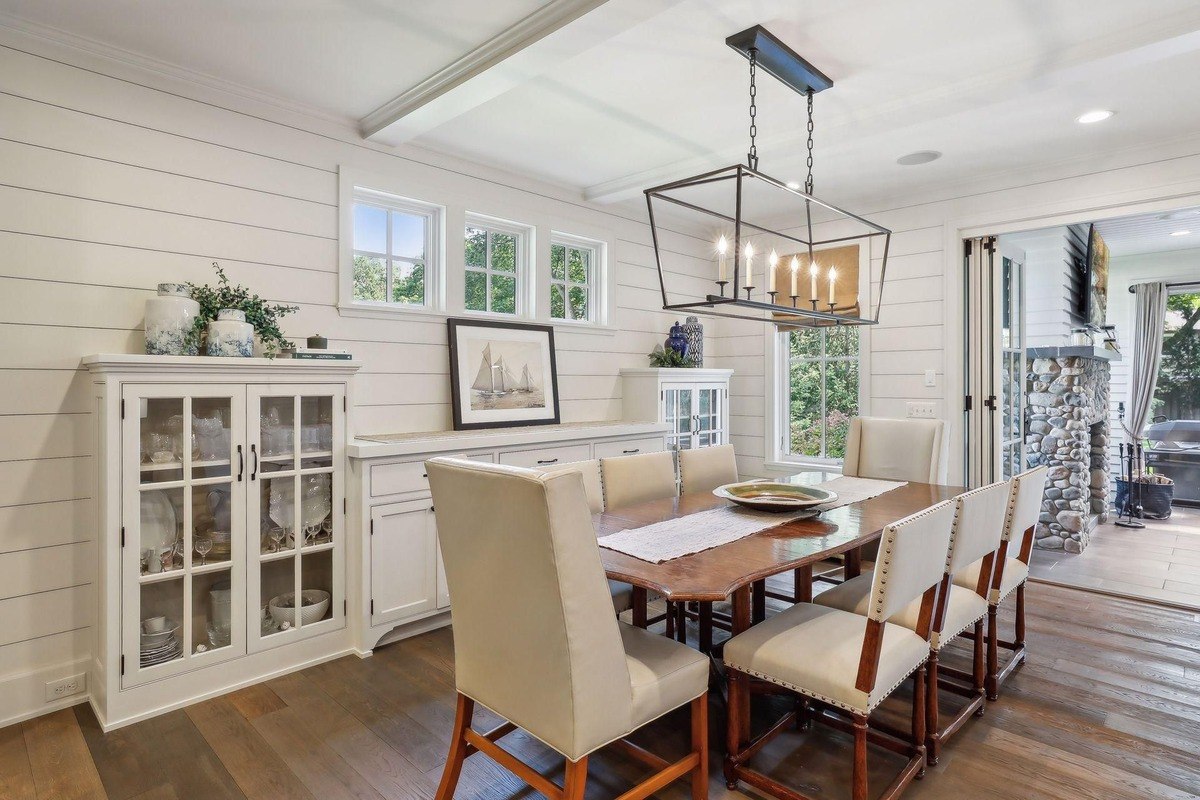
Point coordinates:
pixel 497 387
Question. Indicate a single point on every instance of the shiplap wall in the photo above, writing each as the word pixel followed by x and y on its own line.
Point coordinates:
pixel 1052 284
pixel 920 320
pixel 108 187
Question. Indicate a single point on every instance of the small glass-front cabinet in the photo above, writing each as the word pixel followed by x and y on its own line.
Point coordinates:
pixel 297 530
pixel 693 402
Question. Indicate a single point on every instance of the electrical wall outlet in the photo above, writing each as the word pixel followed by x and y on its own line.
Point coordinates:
pixel 66 687
pixel 922 410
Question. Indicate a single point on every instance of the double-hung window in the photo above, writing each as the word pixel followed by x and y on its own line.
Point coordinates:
pixel 821 391
pixel 395 250
pixel 574 266
pixel 497 266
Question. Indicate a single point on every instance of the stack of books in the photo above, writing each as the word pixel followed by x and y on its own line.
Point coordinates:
pixel 316 355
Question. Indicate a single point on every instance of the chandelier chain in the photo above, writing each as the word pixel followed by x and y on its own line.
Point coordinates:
pixel 808 182
pixel 752 156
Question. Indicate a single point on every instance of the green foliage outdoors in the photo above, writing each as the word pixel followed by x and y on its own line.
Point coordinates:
pixel 503 290
pixel 262 315
pixel 1177 395
pixel 370 281
pixel 822 358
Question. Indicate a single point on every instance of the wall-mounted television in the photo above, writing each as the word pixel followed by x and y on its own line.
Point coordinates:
pixel 1093 291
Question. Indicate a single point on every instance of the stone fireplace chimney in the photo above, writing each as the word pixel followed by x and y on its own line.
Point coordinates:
pixel 1067 429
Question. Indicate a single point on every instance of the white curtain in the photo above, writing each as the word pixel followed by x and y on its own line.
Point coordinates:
pixel 1150 312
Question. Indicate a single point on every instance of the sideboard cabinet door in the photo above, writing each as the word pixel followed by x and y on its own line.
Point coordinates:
pixel 404 556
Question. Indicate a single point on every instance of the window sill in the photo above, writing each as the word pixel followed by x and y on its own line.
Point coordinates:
pixel 436 315
pixel 563 326
pixel 807 465
pixel 389 312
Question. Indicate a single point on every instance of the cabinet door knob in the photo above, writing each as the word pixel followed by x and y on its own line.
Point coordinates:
pixel 634 450
pixel 549 461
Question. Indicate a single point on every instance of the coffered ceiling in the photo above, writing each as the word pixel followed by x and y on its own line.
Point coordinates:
pixel 610 96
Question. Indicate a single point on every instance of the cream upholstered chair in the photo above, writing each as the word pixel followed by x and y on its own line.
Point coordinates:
pixel 1009 573
pixel 622 593
pixel 705 468
pixel 629 480
pixel 897 449
pixel 535 639
pixel 844 664
pixel 978 522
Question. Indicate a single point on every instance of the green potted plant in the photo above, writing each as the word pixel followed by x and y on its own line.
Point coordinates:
pixel 262 316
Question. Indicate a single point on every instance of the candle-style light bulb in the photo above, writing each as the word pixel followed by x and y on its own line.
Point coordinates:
pixel 795 270
pixel 812 274
pixel 722 249
pixel 832 280
pixel 774 262
pixel 749 265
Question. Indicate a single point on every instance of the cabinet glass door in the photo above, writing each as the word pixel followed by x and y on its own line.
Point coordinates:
pixel 710 415
pixel 183 528
pixel 677 412
pixel 296 512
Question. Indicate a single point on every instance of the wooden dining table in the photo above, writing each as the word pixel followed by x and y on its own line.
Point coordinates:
pixel 731 570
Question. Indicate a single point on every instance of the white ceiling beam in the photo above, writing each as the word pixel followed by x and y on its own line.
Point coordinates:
pixel 560 30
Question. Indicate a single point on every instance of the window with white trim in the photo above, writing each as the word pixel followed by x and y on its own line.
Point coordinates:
pixel 395 250
pixel 821 391
pixel 496 256
pixel 574 270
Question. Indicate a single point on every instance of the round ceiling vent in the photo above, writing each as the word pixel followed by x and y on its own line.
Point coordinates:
pixel 919 157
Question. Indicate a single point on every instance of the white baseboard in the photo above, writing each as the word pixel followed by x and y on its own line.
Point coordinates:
pixel 22 696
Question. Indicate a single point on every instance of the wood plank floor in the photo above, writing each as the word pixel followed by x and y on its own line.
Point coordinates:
pixel 1107 707
pixel 1160 562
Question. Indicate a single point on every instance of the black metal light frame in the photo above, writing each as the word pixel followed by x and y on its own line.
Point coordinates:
pixel 780 61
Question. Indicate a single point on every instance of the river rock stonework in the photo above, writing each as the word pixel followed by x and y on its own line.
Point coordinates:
pixel 1067 430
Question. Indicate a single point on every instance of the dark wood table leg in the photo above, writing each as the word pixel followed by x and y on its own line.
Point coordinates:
pixel 804 582
pixel 706 628
pixel 741 622
pixel 853 565
pixel 639 607
pixel 758 601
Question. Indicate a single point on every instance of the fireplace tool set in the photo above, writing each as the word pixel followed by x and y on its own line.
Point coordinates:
pixel 1132 464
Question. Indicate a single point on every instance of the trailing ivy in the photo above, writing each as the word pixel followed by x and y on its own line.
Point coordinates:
pixel 262 315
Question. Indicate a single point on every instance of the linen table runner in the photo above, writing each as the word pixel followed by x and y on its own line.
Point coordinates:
pixel 674 538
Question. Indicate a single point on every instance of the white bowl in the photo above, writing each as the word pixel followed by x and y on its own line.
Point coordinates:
pixel 314 604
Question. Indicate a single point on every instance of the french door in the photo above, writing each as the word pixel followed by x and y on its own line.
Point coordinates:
pixel 994 361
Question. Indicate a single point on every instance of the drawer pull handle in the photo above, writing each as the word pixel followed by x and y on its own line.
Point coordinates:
pixel 634 450
pixel 548 461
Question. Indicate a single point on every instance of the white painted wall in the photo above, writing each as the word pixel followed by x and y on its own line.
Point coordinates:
pixel 109 186
pixel 1050 292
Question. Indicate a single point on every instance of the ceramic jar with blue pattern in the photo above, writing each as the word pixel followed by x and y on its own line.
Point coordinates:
pixel 693 331
pixel 170 317
pixel 230 335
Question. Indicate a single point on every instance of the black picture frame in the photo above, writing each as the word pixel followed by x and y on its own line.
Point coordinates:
pixel 460 394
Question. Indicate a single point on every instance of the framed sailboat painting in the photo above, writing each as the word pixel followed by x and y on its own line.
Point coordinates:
pixel 502 374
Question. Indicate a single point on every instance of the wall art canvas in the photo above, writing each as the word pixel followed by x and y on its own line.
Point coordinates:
pixel 502 374
pixel 1097 283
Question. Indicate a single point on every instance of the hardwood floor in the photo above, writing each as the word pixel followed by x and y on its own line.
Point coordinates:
pixel 1108 706
pixel 1160 562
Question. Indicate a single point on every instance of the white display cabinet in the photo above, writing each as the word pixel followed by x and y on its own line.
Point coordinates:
pixel 694 402
pixel 220 498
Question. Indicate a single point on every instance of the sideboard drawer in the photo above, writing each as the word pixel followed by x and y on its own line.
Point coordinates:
pixel 629 447
pixel 408 476
pixel 546 456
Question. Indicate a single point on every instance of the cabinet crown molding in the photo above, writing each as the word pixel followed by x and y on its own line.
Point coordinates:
pixel 127 363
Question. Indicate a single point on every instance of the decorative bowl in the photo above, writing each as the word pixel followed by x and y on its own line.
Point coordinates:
pixel 313 605
pixel 771 496
pixel 153 639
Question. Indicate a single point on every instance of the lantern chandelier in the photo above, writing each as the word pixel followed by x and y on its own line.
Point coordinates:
pixel 809 270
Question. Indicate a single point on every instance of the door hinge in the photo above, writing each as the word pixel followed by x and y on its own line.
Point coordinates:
pixel 122 408
pixel 968 404
pixel 122 536
pixel 989 244
pixel 990 402
pixel 967 248
pixel 122 665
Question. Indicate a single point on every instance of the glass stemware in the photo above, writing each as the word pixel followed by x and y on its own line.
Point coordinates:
pixel 203 546
pixel 275 533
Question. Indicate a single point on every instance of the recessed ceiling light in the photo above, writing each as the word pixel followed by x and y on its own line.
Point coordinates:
pixel 1093 116
pixel 793 185
pixel 919 157
pixel 1180 233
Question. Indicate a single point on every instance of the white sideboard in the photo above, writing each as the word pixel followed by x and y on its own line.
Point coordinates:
pixel 694 403
pixel 199 462
pixel 400 588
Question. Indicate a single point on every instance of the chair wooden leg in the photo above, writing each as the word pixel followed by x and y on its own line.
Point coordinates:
pixel 977 667
pixel 738 703
pixel 700 747
pixel 576 779
pixel 671 615
pixel 919 710
pixel 993 655
pixel 859 775
pixel 638 601
pixel 933 739
pixel 463 711
pixel 1020 633
pixel 706 628
pixel 758 601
